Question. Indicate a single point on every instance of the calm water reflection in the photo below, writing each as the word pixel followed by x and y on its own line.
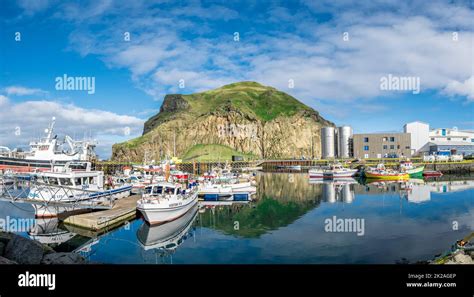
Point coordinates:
pixel 413 220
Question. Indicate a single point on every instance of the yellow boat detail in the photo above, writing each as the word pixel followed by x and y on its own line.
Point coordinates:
pixel 387 176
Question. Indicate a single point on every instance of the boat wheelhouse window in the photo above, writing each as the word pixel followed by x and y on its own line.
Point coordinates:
pixel 65 182
pixel 169 190
pixel 78 181
pixel 148 190
pixel 157 190
pixel 53 181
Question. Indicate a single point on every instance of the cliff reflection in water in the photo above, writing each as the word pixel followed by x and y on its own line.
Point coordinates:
pixel 282 198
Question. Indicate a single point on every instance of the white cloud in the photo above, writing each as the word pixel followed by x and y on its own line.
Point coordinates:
pixel 465 88
pixel 3 100
pixel 405 40
pixel 31 7
pixel 22 91
pixel 32 116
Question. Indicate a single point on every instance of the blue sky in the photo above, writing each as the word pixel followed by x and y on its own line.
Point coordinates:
pixel 279 41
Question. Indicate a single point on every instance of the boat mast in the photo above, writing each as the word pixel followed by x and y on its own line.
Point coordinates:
pixel 51 127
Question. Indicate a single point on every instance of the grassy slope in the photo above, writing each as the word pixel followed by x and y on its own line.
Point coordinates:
pixel 212 152
pixel 264 103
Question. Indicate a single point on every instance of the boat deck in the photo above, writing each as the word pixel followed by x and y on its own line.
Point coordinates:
pixel 124 209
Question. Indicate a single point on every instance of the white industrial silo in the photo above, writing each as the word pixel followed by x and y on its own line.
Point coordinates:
pixel 328 142
pixel 344 137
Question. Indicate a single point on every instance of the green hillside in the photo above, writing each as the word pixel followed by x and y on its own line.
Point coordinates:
pixel 249 98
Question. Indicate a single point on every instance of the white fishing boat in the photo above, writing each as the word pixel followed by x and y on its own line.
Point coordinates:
pixel 226 189
pixel 333 171
pixel 73 183
pixel 163 202
pixel 47 152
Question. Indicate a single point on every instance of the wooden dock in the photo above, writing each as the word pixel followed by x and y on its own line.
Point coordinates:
pixel 124 210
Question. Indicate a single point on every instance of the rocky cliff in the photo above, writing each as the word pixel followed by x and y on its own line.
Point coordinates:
pixel 247 117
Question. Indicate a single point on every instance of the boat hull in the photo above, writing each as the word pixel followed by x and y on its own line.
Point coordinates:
pixel 155 214
pixel 416 172
pixel 432 174
pixel 28 165
pixel 372 175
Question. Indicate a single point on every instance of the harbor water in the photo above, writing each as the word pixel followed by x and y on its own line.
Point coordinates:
pixel 292 220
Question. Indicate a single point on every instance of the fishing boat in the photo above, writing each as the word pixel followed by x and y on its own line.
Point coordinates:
pixel 432 173
pixel 333 171
pixel 215 191
pixel 412 170
pixel 163 202
pixel 47 152
pixel 380 172
pixel 75 182
pixel 290 167
pixel 316 172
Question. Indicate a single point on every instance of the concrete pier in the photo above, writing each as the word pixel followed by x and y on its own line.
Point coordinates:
pixel 124 209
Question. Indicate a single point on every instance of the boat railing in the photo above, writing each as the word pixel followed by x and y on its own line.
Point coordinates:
pixel 28 189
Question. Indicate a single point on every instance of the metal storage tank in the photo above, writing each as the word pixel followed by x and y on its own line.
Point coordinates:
pixel 328 142
pixel 344 136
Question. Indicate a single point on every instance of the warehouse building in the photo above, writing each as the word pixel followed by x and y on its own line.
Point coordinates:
pixel 382 145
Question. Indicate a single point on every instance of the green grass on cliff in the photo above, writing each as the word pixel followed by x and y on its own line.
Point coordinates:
pixel 213 152
pixel 249 98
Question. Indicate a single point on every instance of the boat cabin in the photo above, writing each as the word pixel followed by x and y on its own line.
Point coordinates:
pixel 163 189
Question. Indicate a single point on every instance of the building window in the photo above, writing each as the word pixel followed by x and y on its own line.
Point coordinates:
pixel 432 138
pixel 398 147
pixel 407 147
pixel 366 139
pixel 392 139
pixel 464 139
pixel 443 132
pixel 449 138
pixel 392 147
pixel 385 147
pixel 385 139
pixel 366 147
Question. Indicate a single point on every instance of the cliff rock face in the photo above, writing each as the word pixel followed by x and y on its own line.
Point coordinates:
pixel 247 117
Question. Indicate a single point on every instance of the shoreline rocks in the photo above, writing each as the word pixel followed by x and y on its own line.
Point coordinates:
pixel 16 249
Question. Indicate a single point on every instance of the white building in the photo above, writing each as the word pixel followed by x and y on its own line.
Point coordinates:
pixel 446 134
pixel 419 134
